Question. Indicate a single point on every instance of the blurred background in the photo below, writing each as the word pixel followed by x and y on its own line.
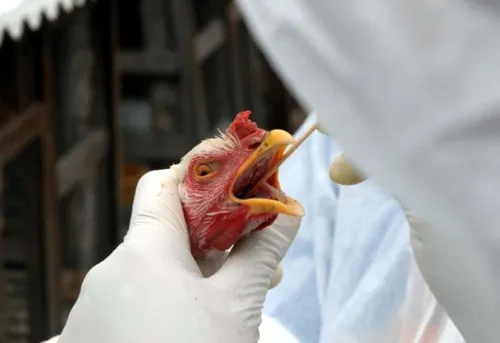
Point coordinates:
pixel 91 100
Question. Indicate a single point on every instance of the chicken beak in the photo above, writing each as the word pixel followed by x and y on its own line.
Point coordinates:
pixel 290 207
pixel 275 142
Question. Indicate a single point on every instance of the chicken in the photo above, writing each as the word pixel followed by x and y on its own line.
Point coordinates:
pixel 222 190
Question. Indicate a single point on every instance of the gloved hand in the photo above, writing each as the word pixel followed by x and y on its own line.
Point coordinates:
pixel 150 289
pixel 344 173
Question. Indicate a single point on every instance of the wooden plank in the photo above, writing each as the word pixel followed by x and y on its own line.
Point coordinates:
pixel 89 234
pixel 51 241
pixel 114 86
pixel 2 199
pixel 168 94
pixel 194 108
pixel 3 280
pixel 24 224
pixel 19 131
pixel 155 59
pixel 106 173
pixel 145 147
pixel 210 39
pixel 161 103
pixel 234 15
pixel 25 72
pixel 153 24
pixel 147 62
pixel 82 160
pixel 14 252
pixel 250 84
pixel 163 62
pixel 257 89
pixel 217 73
pixel 130 177
pixel 277 107
pixel 71 281
pixel 236 68
pixel 17 306
pixel 29 191
pixel 77 86
pixel 254 80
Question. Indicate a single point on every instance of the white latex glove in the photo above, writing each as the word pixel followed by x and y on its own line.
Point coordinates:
pixel 150 289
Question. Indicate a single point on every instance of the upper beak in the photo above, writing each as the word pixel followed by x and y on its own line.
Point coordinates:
pixel 275 142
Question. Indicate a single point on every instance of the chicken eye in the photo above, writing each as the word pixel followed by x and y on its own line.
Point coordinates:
pixel 204 170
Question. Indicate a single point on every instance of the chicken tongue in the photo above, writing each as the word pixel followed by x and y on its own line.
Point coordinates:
pixel 266 190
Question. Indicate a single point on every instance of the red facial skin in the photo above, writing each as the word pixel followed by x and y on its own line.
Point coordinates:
pixel 214 221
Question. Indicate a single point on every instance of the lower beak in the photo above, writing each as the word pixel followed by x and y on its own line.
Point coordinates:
pixel 275 143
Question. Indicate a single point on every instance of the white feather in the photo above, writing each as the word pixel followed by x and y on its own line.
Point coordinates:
pixel 221 144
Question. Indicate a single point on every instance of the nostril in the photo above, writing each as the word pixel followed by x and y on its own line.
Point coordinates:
pixel 252 142
pixel 254 145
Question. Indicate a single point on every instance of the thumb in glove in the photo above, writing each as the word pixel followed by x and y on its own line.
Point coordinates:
pixel 342 172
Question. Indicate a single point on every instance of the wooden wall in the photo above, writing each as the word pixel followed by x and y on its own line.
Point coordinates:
pixel 29 232
pixel 143 83
pixel 58 167
pixel 87 137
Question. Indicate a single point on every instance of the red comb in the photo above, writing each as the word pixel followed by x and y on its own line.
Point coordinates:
pixel 242 126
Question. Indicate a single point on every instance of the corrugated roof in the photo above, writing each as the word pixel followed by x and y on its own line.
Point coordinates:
pixel 14 13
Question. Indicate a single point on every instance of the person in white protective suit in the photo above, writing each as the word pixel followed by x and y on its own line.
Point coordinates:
pixel 350 275
pixel 411 90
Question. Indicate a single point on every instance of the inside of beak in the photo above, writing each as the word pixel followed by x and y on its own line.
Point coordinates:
pixel 261 169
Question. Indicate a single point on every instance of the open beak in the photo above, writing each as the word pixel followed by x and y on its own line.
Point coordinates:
pixel 273 146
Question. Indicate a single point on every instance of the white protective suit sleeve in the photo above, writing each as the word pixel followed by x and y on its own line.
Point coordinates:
pixel 411 89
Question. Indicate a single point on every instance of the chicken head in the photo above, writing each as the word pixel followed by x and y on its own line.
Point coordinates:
pixel 223 194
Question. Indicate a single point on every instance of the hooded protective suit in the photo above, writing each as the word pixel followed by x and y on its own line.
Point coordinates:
pixel 411 89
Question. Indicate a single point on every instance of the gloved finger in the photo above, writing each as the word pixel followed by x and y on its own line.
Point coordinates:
pixel 157 220
pixel 253 261
pixel 343 173
pixel 277 277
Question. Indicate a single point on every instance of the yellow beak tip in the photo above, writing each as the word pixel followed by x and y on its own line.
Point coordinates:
pixel 278 137
pixel 295 208
pixel 290 207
